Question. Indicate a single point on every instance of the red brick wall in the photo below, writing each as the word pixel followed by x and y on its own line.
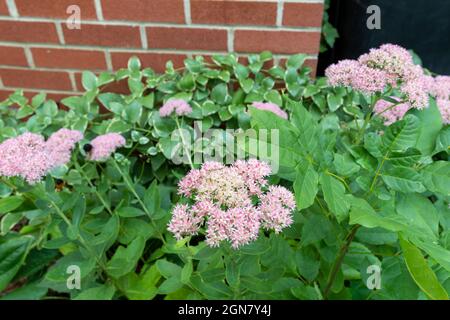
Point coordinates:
pixel 39 52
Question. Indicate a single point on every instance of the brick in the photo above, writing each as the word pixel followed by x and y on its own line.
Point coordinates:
pixel 302 14
pixel 55 9
pixel 3 8
pixel 144 10
pixel 20 31
pixel 234 12
pixel 104 35
pixel 5 93
pixel 187 38
pixel 156 61
pixel 13 56
pixel 287 42
pixel 53 80
pixel 69 58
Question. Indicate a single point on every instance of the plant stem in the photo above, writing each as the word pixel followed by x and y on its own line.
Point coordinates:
pixel 102 200
pixel 366 120
pixel 79 236
pixel 130 187
pixel 339 260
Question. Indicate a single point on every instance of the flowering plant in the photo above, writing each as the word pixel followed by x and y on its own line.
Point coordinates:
pixel 106 197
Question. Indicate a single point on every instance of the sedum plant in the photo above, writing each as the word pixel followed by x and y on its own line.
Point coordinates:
pixel 108 185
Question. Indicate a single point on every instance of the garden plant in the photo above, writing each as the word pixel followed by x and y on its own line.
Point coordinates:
pixel 339 189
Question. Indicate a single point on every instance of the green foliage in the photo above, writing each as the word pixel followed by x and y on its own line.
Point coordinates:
pixel 366 194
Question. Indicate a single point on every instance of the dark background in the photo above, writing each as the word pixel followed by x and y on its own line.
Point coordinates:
pixel 420 25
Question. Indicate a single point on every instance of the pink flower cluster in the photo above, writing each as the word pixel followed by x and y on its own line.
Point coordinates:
pixel 103 146
pixel 351 73
pixel 392 65
pixel 439 87
pixel 441 90
pixel 61 143
pixel 31 157
pixel 389 112
pixel 179 106
pixel 272 107
pixel 232 202
pixel 374 71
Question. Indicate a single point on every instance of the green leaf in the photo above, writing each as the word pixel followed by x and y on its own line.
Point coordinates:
pixel 104 292
pixel 32 291
pixel 125 259
pixel 129 212
pixel 422 274
pixel 421 212
pixel 186 272
pixel 12 254
pixel 38 100
pixel 10 203
pixel 306 185
pixel 187 82
pixel 241 72
pixel 430 124
pixel 443 140
pixel 307 263
pixel 362 213
pixel 89 80
pixel 148 101
pixel 142 287
pixel 407 158
pixel 170 285
pixel 287 146
pixel 296 61
pixel 232 272
pixel 334 101
pixel 247 84
pixel 219 93
pixel 209 108
pixel 168 269
pixel 403 179
pixel 49 109
pixel 133 112
pixel 401 135
pixel 152 198
pixel 9 221
pixel 134 64
pixel 436 177
pixel 344 164
pixel 334 194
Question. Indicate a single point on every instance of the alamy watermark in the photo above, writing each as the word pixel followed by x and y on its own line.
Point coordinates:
pixel 374 20
pixel 224 145
pixel 74 19
pixel 373 282
pixel 74 278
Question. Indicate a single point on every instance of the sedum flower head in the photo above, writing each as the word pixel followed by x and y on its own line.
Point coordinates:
pixel 179 106
pixel 231 202
pixel 389 112
pixel 351 73
pixel 183 222
pixel 105 145
pixel 416 93
pixel 272 107
pixel 239 225
pixel 61 143
pixel 276 207
pixel 25 156
pixel 392 59
pixel 444 108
